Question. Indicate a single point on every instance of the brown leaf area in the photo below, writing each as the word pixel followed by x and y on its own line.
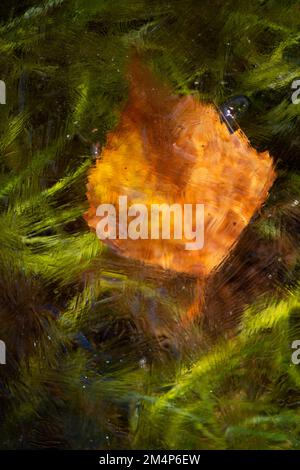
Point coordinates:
pixel 171 149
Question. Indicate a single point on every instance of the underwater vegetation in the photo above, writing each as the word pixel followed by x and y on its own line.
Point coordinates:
pixel 129 344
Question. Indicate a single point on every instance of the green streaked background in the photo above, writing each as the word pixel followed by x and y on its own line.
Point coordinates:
pixel 95 358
